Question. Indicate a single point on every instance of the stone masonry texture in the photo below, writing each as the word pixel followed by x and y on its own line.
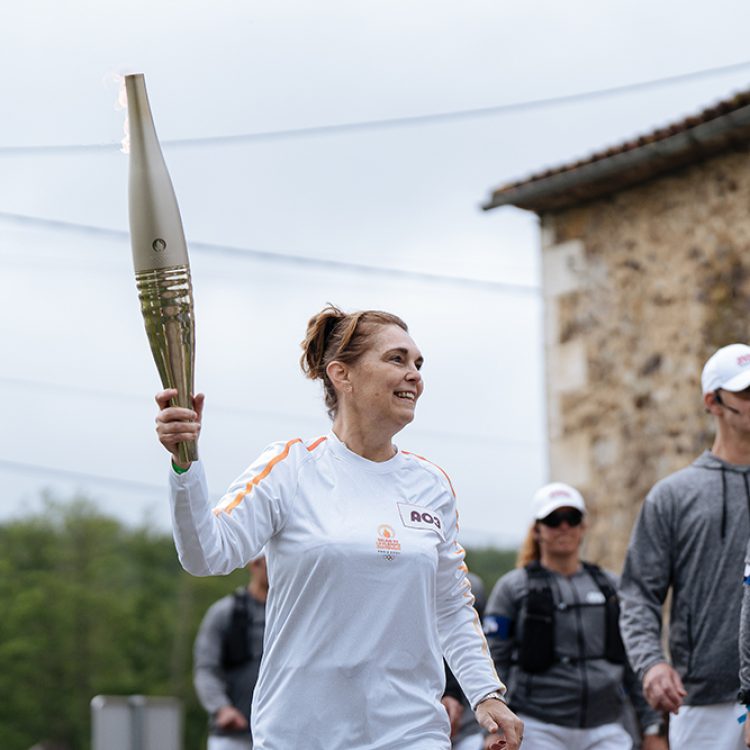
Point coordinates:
pixel 661 279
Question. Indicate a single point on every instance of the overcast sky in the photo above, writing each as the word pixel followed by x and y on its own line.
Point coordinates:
pixel 76 371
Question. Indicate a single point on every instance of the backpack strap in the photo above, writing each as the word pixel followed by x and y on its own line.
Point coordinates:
pixel 236 643
pixel 614 649
pixel 537 647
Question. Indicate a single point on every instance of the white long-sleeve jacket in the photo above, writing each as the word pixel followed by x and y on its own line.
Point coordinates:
pixel 367 593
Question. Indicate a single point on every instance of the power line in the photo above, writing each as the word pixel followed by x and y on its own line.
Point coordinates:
pixel 88 391
pixel 394 122
pixel 231 251
pixel 70 474
pixel 129 484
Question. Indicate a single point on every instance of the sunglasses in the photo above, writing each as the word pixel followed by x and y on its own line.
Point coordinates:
pixel 554 519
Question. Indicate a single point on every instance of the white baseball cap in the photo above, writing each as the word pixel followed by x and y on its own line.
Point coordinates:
pixel 728 368
pixel 553 496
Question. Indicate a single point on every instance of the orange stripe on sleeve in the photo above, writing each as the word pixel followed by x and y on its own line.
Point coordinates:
pixel 242 494
pixel 320 440
pixel 427 460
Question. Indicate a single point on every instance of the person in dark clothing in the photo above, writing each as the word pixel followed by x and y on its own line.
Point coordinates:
pixel 227 654
pixel 466 734
pixel 552 628
pixel 690 538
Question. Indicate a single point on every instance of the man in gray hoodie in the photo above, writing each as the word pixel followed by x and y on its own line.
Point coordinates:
pixel 690 537
pixel 744 695
pixel 227 654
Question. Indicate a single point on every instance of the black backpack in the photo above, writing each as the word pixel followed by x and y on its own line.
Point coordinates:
pixel 537 648
pixel 235 646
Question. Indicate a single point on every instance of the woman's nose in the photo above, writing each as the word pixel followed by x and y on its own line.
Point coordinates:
pixel 414 374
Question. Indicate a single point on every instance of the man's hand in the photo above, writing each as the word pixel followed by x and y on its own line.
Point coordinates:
pixel 504 727
pixel 663 688
pixel 747 729
pixel 455 712
pixel 228 717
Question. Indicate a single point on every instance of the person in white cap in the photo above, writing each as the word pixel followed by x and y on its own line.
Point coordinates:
pixel 552 628
pixel 690 538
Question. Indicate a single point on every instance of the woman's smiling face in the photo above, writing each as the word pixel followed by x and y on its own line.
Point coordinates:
pixel 386 382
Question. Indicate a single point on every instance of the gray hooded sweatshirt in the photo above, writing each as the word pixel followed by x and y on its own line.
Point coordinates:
pixel 745 627
pixel 691 536
pixel 215 684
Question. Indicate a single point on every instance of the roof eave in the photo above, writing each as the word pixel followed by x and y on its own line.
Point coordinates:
pixel 602 177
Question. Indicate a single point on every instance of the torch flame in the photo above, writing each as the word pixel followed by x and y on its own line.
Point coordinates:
pixel 121 103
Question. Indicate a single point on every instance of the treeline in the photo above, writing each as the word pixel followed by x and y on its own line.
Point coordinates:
pixel 90 606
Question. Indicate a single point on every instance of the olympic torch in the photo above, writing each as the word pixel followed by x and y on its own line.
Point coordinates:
pixel 162 267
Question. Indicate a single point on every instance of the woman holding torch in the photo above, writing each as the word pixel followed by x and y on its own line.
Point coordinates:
pixel 367 582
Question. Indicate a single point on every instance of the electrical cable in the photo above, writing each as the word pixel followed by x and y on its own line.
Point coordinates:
pixel 233 251
pixel 79 390
pixel 393 122
pixel 129 484
pixel 71 474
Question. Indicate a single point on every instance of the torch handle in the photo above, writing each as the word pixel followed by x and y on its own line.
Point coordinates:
pixel 166 296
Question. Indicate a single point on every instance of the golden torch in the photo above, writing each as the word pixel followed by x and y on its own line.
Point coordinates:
pixel 162 267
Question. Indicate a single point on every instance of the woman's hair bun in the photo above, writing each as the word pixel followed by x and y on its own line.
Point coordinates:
pixel 333 335
pixel 320 328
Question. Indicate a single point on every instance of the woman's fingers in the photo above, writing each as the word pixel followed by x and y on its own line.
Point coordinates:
pixel 164 397
pixel 164 402
pixel 177 432
pixel 198 400
pixel 168 413
pixel 176 424
pixel 495 716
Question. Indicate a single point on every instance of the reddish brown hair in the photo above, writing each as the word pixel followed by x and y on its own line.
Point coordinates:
pixel 530 549
pixel 333 335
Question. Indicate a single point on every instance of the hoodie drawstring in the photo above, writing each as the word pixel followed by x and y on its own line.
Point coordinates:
pixel 710 462
pixel 724 499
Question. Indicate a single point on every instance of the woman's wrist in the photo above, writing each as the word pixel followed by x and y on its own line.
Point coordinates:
pixel 494 695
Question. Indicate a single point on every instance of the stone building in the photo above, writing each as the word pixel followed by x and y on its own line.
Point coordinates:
pixel 646 271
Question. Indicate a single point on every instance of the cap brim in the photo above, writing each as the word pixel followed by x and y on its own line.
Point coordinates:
pixel 554 505
pixel 738 383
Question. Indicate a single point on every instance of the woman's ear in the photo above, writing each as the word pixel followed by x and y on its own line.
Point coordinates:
pixel 338 374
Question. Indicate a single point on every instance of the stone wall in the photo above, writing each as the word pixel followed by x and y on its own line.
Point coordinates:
pixel 640 288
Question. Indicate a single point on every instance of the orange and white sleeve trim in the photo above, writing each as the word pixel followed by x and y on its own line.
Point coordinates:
pixel 258 478
pixel 441 470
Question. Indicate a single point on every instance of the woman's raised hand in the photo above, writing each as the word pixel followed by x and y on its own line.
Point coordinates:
pixel 175 424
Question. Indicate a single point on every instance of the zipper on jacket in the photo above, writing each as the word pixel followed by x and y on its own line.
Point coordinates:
pixel 582 656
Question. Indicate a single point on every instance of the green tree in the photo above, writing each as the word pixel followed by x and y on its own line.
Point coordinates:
pixel 489 563
pixel 91 606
